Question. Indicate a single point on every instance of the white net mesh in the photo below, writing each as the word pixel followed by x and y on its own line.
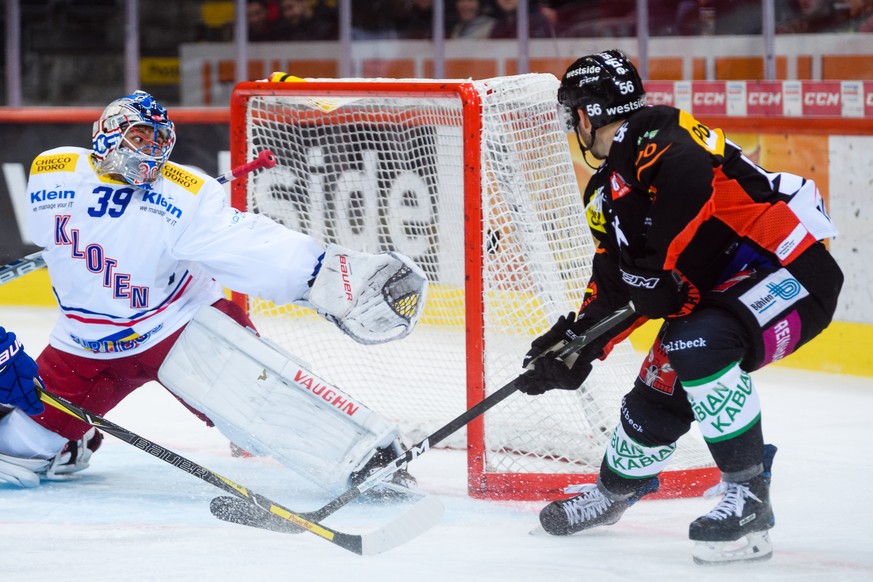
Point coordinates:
pixel 385 169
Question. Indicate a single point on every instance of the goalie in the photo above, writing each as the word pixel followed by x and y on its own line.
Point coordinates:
pixel 138 250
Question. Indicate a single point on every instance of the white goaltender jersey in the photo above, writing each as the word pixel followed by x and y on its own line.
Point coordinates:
pixel 130 266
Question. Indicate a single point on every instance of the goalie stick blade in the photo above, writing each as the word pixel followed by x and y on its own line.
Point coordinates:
pixel 412 523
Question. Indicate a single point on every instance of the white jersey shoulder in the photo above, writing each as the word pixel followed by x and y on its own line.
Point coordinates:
pixel 130 266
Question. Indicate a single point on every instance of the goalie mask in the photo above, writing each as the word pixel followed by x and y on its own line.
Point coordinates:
pixel 133 139
pixel 605 85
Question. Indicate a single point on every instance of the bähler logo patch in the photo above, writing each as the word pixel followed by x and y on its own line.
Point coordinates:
pixel 773 295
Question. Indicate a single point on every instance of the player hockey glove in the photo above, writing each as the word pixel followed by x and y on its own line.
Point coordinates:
pixel 659 294
pixel 17 371
pixel 549 373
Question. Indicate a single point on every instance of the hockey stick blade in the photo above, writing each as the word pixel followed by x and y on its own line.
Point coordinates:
pixel 34 261
pixel 407 526
pixel 487 403
pixel 412 523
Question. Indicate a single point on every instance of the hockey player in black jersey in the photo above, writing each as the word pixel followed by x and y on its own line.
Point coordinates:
pixel 730 256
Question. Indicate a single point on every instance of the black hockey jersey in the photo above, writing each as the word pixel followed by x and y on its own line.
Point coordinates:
pixel 674 194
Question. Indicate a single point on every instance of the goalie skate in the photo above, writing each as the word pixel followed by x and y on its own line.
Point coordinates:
pixel 401 487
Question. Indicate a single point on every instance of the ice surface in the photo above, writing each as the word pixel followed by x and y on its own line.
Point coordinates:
pixel 133 517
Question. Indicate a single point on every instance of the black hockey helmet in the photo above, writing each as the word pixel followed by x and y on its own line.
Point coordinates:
pixel 606 85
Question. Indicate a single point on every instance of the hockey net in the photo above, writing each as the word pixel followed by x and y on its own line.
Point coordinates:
pixel 474 181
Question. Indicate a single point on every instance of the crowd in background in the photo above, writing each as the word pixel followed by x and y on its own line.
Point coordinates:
pixel 295 20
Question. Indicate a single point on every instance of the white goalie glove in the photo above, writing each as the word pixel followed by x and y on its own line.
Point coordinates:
pixel 372 298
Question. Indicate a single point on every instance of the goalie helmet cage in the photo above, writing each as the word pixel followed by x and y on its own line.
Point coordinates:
pixel 474 180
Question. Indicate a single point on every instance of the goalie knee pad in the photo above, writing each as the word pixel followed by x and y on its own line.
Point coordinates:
pixel 372 298
pixel 269 404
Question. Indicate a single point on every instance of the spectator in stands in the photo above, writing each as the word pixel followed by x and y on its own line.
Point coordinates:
pixel 417 20
pixel 566 16
pixel 471 21
pixel 810 16
pixel 506 24
pixel 377 19
pixel 704 17
pixel 859 17
pixel 260 24
pixel 300 21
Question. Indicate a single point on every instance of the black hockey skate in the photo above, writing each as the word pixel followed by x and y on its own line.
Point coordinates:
pixel 593 506
pixel 736 529
pixel 402 486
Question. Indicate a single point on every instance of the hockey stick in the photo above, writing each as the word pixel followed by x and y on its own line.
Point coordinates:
pixel 418 519
pixel 20 267
pixel 34 261
pixel 230 509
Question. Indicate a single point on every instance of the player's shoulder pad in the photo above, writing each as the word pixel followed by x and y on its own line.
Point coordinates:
pixel 62 159
pixel 186 178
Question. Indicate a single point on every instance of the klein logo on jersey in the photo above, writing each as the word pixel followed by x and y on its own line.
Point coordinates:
pixel 773 295
pixel 54 163
pixel 165 203
pixel 43 195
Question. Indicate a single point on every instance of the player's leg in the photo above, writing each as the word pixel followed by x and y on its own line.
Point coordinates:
pixel 54 445
pixel 654 414
pixel 773 313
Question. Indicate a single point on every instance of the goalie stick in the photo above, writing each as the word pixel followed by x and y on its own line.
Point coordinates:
pixel 34 261
pixel 237 511
pixel 422 516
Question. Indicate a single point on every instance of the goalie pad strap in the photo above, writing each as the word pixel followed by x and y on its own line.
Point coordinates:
pixel 268 403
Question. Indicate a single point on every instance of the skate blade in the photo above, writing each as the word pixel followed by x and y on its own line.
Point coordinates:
pixel 752 547
pixel 539 531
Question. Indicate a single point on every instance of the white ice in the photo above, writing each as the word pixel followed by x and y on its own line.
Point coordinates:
pixel 133 517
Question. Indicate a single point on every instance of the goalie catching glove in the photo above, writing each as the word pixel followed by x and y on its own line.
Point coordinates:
pixel 372 298
pixel 546 372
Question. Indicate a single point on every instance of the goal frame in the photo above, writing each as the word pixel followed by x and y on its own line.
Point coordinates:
pixel 481 483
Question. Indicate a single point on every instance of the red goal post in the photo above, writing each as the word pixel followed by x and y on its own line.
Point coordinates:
pixel 474 181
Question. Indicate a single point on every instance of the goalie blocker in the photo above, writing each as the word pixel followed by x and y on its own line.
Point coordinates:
pixel 268 403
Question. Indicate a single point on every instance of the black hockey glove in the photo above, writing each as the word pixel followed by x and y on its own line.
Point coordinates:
pixel 658 294
pixel 549 373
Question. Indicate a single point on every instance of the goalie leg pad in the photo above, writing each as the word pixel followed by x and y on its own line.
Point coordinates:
pixel 268 403
pixel 372 298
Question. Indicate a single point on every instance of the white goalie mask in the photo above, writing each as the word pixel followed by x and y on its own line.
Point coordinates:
pixel 133 139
